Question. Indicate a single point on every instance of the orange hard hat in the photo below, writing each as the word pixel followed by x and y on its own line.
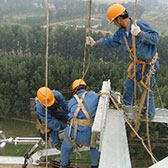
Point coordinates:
pixel 77 83
pixel 114 11
pixel 41 94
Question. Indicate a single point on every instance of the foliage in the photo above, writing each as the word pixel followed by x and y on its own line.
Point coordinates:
pixel 32 20
pixel 22 76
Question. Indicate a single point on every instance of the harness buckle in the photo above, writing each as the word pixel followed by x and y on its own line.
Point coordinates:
pixel 152 69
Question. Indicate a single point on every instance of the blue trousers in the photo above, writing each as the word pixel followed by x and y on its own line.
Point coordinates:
pixel 54 133
pixel 129 93
pixel 82 138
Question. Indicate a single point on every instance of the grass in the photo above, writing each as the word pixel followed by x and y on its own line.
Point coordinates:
pixel 17 128
pixel 12 128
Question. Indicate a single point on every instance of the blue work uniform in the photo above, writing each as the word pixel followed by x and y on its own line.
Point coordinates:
pixel 145 50
pixel 83 135
pixel 56 117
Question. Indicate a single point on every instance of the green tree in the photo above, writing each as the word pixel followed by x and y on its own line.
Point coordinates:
pixel 36 40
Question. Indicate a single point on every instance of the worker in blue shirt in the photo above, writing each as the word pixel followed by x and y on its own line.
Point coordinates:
pixel 146 52
pixel 57 112
pixel 82 109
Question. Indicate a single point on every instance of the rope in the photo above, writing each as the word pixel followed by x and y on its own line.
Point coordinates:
pixel 86 51
pixel 161 102
pixel 134 52
pixel 160 98
pixel 147 125
pixel 112 99
pixel 134 60
pixel 142 101
pixel 46 77
pixel 140 138
pixel 87 48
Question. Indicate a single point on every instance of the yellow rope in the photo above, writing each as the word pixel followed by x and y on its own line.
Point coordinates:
pixel 46 77
pixel 134 52
pixel 113 101
pixel 147 124
pixel 85 61
pixel 87 48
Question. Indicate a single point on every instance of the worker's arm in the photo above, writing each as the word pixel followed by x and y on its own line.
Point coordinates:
pixel 61 101
pixel 113 41
pixel 72 105
pixel 52 122
pixel 147 34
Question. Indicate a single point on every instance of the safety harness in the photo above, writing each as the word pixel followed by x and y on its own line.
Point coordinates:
pixel 75 122
pixel 144 82
pixel 136 63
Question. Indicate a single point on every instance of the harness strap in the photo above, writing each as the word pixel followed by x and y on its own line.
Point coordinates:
pixel 137 62
pixel 79 122
pixel 132 56
pixel 145 84
pixel 142 101
pixel 81 106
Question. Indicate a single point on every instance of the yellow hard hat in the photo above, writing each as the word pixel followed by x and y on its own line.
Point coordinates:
pixel 77 83
pixel 114 11
pixel 41 94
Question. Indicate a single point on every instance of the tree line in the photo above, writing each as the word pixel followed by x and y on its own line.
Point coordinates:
pixel 67 41
pixel 34 11
pixel 21 76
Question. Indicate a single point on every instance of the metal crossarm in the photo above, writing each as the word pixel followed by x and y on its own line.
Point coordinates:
pixel 161 115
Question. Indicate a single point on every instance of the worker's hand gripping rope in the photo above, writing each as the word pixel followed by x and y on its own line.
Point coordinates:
pixel 135 29
pixel 90 41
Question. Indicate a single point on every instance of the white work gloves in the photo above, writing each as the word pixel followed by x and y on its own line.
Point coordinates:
pixel 90 41
pixel 135 30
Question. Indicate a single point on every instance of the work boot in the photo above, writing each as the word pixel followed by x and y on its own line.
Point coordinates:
pixel 94 166
pixel 68 166
pixel 58 146
pixel 143 118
